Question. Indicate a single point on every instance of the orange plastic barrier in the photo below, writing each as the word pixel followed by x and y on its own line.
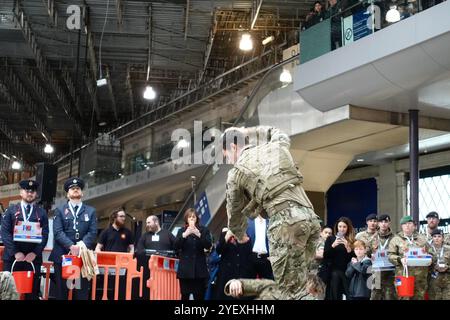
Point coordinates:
pixel 117 261
pixel 1 258
pixel 163 282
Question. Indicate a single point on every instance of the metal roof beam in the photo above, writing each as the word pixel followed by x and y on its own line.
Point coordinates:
pixel 119 9
pixel 129 88
pixel 111 94
pixel 42 65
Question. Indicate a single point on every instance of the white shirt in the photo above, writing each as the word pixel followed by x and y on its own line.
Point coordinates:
pixel 260 236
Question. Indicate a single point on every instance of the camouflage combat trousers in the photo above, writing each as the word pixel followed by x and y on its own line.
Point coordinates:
pixel 293 235
pixel 439 288
pixel 420 282
pixel 8 287
pixel 383 286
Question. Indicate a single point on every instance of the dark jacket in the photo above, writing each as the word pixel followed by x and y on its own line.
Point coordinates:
pixel 358 275
pixel 337 258
pixel 234 264
pixel 191 251
pixel 11 216
pixel 64 233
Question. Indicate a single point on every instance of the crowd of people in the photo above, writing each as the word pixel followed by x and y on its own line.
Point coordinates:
pixel 273 246
pixel 363 266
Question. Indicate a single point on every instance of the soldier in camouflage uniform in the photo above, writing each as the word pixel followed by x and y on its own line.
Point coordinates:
pixel 8 287
pixel 398 248
pixel 432 224
pixel 447 239
pixel 439 285
pixel 265 180
pixel 370 233
pixel 383 281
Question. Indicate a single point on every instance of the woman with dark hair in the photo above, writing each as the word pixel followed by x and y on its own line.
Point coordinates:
pixel 337 254
pixel 191 242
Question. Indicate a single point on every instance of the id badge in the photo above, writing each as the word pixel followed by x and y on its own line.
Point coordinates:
pixel 30 232
pixel 86 217
pixel 155 238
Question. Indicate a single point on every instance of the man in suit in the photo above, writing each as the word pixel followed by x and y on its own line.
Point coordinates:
pixel 25 234
pixel 74 222
pixel 259 258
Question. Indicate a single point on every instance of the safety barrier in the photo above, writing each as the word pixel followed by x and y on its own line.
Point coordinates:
pixel 118 261
pixel 163 282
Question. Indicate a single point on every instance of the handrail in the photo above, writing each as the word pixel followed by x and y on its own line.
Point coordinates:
pixel 238 119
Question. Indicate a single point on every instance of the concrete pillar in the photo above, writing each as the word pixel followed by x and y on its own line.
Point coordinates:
pixel 391 193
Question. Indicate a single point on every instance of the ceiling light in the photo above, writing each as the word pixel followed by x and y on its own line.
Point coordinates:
pixel 102 124
pixel 16 165
pixel 45 137
pixel 246 43
pixel 102 82
pixel 149 93
pixel 268 40
pixel 359 160
pixel 285 76
pixel 49 148
pixel 393 15
pixel 5 156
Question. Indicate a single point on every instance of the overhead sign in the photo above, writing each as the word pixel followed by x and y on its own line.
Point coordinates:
pixel 359 25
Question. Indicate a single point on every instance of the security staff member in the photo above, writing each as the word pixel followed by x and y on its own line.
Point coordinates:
pixel 116 237
pixel 25 234
pixel 74 222
pixel 154 239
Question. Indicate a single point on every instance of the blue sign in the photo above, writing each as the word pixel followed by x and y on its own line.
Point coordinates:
pixel 360 26
pixel 202 208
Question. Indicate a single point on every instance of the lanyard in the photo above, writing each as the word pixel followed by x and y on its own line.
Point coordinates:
pixel 75 214
pixel 383 246
pixel 441 254
pixel 411 242
pixel 25 219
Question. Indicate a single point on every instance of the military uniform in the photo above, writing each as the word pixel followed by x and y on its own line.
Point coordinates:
pixel 447 239
pixel 8 287
pixel 398 246
pixel 439 285
pixel 71 225
pixel 383 281
pixel 265 179
pixel 366 237
pixel 25 214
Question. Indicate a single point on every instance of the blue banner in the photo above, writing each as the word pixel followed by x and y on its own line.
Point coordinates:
pixel 202 208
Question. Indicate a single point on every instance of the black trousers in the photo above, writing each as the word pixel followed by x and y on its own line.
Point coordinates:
pixel 195 286
pixel 25 266
pixel 261 266
pixel 62 290
pixel 338 286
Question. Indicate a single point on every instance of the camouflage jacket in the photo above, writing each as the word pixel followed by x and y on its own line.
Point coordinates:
pixel 379 240
pixel 399 245
pixel 264 176
pixel 437 258
pixel 365 236
pixel 7 287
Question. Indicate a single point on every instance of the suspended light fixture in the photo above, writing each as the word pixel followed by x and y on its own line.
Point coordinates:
pixel 285 76
pixel 102 81
pixel 49 148
pixel 246 43
pixel 149 93
pixel 268 40
pixel 16 165
pixel 393 15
